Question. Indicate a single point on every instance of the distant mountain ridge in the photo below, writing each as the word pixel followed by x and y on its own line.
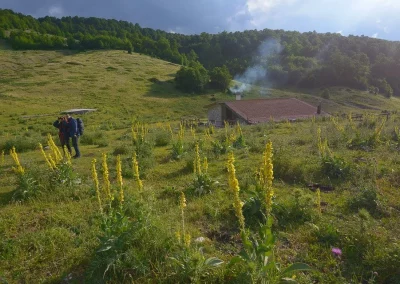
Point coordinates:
pixel 306 60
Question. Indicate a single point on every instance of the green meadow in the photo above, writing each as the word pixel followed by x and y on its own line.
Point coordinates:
pixel 335 181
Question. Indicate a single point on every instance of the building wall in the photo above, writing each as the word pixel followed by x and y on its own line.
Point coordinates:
pixel 215 115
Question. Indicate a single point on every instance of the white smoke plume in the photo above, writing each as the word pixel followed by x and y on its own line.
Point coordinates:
pixel 257 73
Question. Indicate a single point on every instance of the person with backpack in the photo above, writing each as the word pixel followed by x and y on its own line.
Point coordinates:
pixel 62 125
pixel 73 133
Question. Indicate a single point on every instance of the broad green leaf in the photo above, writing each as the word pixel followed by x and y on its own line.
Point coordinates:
pixel 296 267
pixel 213 261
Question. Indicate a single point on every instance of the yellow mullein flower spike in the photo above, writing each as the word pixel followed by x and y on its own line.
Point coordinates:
pixel 96 184
pixel 234 187
pixel 19 169
pixel 136 172
pixel 318 201
pixel 45 157
pixel 197 163
pixel 106 178
pixel 119 180
pixel 205 165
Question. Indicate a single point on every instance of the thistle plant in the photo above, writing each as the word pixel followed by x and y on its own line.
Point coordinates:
pixel 106 178
pixel 96 184
pixel 136 173
pixel 119 180
pixel 18 169
pixel 234 187
pixel 45 157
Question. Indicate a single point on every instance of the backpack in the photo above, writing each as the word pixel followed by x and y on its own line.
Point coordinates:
pixel 81 127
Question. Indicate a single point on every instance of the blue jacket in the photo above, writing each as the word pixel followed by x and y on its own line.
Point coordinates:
pixel 72 127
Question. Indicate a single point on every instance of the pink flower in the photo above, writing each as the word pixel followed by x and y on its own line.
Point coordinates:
pixel 337 251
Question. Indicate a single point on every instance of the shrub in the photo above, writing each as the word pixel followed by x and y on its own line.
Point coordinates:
pixel 367 198
pixel 121 150
pixel 21 143
pixel 193 78
pixel 94 138
pixel 327 234
pixel 162 138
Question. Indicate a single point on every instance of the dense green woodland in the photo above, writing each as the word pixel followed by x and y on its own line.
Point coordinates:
pixel 306 60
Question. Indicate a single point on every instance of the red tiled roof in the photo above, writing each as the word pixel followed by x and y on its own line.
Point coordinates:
pixel 261 110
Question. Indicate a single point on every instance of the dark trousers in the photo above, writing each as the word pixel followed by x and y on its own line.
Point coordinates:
pixel 64 143
pixel 75 140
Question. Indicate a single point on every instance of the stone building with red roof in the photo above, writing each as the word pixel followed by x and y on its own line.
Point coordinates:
pixel 261 110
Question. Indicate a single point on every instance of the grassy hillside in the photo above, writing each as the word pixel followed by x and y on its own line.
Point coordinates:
pixel 52 228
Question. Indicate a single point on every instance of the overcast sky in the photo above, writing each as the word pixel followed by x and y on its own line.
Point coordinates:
pixel 374 18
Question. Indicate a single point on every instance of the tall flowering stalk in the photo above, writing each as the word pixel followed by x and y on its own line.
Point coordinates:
pixel 96 184
pixel 318 201
pixel 56 152
pixel 234 187
pixel 106 177
pixel 197 162
pixel 136 172
pixel 170 130
pixel 2 158
pixel 119 180
pixel 18 169
pixel 267 177
pixel 182 235
pixel 181 132
pixel 238 129
pixel 321 148
pixel 45 157
pixel 337 125
pixel 205 165
pixel 193 131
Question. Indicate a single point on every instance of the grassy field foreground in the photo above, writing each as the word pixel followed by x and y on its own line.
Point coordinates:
pixel 57 226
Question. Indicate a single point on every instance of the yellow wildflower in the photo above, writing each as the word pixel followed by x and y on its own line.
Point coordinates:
pixel 187 240
pixel 196 162
pixel 136 172
pixel 19 169
pixel 106 178
pixel 119 180
pixel 267 176
pixel 45 157
pixel 234 187
pixel 96 184
pixel 318 201
pixel 205 165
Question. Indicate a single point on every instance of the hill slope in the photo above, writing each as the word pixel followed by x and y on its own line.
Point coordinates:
pixel 51 225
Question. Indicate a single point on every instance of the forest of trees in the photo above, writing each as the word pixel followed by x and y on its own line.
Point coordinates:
pixel 306 60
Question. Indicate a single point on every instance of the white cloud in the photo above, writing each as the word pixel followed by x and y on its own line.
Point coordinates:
pixel 375 35
pixel 56 11
pixel 340 32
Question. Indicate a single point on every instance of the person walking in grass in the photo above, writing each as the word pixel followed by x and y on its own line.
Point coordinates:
pixel 62 125
pixel 73 133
